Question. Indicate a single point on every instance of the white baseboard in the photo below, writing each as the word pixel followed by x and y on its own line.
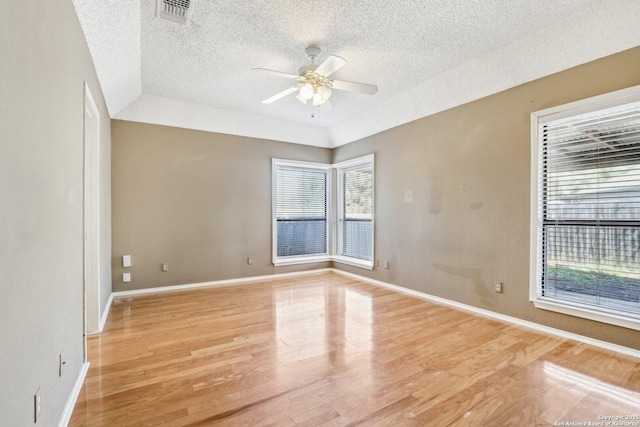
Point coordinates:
pixel 103 318
pixel 73 397
pixel 218 283
pixel 503 317
pixel 105 314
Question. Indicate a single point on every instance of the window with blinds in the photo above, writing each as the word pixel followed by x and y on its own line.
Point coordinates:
pixel 300 210
pixel 587 208
pixel 308 201
pixel 355 215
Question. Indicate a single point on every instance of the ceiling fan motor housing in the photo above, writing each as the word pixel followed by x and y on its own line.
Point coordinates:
pixel 313 52
pixel 309 68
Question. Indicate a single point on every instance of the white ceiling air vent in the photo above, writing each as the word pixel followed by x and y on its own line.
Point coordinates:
pixel 175 10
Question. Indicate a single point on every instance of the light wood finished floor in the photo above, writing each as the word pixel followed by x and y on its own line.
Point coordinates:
pixel 327 350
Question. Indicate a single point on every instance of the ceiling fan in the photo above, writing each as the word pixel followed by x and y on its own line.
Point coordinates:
pixel 313 82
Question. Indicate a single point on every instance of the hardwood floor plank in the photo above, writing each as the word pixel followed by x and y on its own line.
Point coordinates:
pixel 328 350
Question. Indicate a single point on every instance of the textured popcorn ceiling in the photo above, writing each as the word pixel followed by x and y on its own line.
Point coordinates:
pixel 112 30
pixel 424 55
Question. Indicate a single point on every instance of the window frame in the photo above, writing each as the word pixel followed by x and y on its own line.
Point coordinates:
pixel 299 259
pixel 595 103
pixel 345 166
pixel 333 201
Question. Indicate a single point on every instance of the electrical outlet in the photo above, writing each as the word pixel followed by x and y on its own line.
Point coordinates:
pixel 126 277
pixel 165 268
pixel 61 363
pixel 249 261
pixel 386 265
pixel 497 287
pixel 36 406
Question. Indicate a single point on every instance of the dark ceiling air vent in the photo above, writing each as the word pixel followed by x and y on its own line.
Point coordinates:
pixel 175 10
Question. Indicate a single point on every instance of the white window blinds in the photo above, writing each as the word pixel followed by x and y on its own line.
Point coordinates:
pixel 588 209
pixel 300 210
pixel 356 211
pixel 323 212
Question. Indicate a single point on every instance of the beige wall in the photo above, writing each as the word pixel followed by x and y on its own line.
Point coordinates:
pixel 469 170
pixel 44 63
pixel 202 201
pixel 198 201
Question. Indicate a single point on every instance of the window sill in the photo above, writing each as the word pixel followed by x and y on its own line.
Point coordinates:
pixel 301 260
pixel 355 262
pixel 588 313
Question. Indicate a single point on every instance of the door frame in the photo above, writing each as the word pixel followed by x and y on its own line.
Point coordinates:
pixel 91 216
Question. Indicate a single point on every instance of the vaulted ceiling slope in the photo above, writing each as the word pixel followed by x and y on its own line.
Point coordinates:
pixel 425 56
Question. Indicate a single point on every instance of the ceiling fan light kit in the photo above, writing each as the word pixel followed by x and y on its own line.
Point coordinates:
pixel 313 81
pixel 306 91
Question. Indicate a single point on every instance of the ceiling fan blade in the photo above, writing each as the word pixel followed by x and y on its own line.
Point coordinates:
pixel 277 73
pixel 280 95
pixel 330 65
pixel 354 87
